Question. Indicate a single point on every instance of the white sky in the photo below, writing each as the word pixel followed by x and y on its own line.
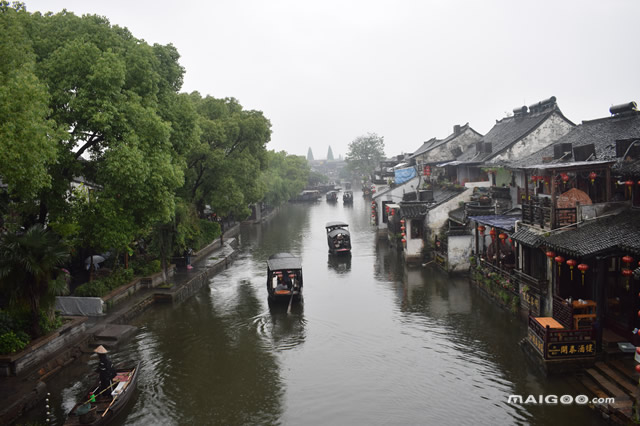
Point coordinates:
pixel 326 72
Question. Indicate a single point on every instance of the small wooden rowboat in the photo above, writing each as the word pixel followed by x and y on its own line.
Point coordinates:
pixel 106 406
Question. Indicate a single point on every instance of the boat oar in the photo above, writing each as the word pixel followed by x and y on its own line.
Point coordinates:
pixel 116 397
pixel 290 302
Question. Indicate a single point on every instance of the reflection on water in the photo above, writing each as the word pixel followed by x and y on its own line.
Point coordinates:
pixel 341 264
pixel 375 343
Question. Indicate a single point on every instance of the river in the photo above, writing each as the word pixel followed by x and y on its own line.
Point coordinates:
pixel 374 343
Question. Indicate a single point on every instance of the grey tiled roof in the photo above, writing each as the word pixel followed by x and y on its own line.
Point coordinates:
pixel 627 168
pixel 434 143
pixel 458 215
pixel 528 236
pixel 601 235
pixel 508 131
pixel 413 209
pixel 602 133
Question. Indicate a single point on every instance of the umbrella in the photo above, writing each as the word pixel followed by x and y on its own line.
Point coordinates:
pixel 96 259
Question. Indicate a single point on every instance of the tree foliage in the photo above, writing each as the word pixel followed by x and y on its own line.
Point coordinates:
pixel 28 264
pixel 365 153
pixel 286 177
pixel 223 168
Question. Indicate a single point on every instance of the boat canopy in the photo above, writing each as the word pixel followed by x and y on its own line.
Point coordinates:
pixel 280 261
pixel 337 232
pixel 336 225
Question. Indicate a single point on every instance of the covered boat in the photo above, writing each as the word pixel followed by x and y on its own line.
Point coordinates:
pixel 101 408
pixel 332 196
pixel 338 238
pixel 347 197
pixel 284 277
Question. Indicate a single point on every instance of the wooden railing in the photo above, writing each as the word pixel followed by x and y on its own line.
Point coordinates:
pixel 560 343
pixel 537 211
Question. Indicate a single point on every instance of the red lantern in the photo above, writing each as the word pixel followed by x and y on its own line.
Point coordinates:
pixel 402 228
pixel 583 268
pixel 564 177
pixel 629 184
pixel 403 234
pixel 493 233
pixel 627 259
pixel 637 367
pixel 502 236
pixel 571 263
pixel 481 229
pixel 393 212
pixel 550 254
pixel 593 177
pixel 404 241
pixel 559 260
pixel 402 221
pixel 386 208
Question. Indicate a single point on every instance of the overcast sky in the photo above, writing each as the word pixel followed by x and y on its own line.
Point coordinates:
pixel 326 72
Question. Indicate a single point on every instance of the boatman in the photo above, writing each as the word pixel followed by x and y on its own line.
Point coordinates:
pixel 105 369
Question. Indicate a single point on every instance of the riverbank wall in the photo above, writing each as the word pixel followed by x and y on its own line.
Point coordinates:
pixel 26 388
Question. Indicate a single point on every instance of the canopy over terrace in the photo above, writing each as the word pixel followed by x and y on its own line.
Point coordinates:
pixel 504 222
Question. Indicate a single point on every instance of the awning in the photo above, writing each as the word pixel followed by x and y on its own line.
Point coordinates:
pixel 497 221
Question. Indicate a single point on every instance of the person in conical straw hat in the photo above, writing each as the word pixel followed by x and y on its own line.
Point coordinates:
pixel 105 368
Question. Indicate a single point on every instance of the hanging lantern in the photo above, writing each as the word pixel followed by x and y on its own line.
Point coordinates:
pixel 502 236
pixel 493 233
pixel 402 221
pixel 629 184
pixel 481 229
pixel 583 268
pixel 438 243
pixel 627 259
pixel 393 212
pixel 571 263
pixel 403 234
pixel 404 241
pixel 386 208
pixel 637 367
pixel 565 178
pixel 402 228
pixel 592 177
pixel 626 272
pixel 550 254
pixel 559 260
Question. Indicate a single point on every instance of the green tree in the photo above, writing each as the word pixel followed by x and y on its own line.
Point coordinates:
pixel 28 263
pixel 286 176
pixel 309 155
pixel 365 154
pixel 27 145
pixel 223 168
pixel 330 154
pixel 126 127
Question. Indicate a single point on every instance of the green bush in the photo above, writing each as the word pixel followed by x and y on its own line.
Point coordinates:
pixel 11 342
pixel 144 269
pixel 209 231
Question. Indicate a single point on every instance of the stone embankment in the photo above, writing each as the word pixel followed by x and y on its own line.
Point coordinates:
pixel 25 374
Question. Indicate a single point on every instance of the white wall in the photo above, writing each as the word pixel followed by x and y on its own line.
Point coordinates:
pixel 459 247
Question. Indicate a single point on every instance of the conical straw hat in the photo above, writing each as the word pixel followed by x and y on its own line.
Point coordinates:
pixel 100 350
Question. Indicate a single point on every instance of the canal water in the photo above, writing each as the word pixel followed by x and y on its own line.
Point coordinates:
pixel 374 343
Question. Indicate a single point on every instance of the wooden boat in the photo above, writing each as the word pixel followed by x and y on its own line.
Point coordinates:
pixel 338 238
pixel 284 277
pixel 347 197
pixel 332 196
pixel 109 404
